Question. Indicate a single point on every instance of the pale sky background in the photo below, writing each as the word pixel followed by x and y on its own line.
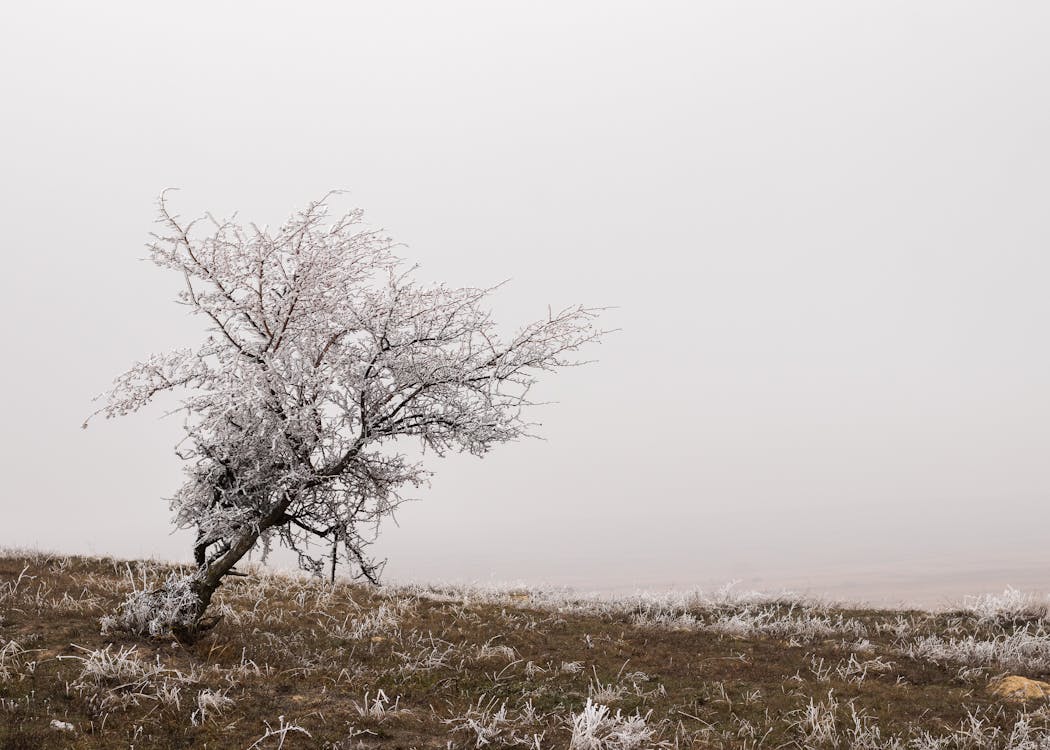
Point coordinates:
pixel 824 225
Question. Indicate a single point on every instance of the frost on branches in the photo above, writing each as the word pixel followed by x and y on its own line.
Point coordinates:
pixel 323 354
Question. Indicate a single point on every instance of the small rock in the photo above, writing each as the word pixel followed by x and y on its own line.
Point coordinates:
pixel 1016 688
pixel 62 726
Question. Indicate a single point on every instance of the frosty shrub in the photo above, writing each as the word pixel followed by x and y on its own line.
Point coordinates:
pixel 11 660
pixel 323 354
pixel 210 703
pixel 795 622
pixel 1008 607
pixel 1026 649
pixel 596 727
pixel 118 679
pixel 383 621
pixel 168 610
pixel 489 723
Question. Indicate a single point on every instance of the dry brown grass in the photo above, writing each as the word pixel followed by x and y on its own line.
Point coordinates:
pixel 352 667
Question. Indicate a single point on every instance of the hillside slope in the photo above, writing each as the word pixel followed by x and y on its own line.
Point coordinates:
pixel 316 666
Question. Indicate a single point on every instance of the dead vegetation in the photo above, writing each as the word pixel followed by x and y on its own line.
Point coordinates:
pixel 297 663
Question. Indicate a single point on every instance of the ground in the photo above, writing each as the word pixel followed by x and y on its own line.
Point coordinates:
pixel 297 663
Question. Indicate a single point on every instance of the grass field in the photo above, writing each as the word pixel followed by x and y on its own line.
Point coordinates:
pixel 298 663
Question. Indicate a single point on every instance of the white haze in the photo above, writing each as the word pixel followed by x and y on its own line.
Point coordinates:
pixel 824 226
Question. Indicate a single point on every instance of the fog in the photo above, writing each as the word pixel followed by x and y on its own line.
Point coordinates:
pixel 822 228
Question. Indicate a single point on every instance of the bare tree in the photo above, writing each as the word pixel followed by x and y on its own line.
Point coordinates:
pixel 323 354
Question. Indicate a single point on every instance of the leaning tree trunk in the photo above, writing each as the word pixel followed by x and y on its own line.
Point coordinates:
pixel 208 580
pixel 179 607
pixel 209 577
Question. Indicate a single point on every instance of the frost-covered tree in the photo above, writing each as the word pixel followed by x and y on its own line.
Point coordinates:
pixel 322 356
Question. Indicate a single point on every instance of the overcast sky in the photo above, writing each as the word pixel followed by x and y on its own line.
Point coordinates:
pixel 824 227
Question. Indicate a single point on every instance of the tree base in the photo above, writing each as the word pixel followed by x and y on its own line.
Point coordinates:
pixel 188 634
